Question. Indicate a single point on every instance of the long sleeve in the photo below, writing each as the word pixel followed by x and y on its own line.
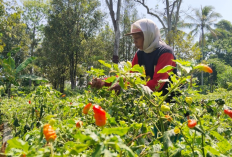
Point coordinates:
pixel 164 60
pixel 135 60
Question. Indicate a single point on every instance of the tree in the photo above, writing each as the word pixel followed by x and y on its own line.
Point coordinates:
pixel 98 47
pixel 10 72
pixel 34 16
pixel 115 20
pixel 13 33
pixel 2 19
pixel 202 22
pixel 220 46
pixel 171 15
pixel 184 47
pixel 129 15
pixel 69 23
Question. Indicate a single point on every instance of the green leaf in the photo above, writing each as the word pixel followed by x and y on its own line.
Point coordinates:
pixel 74 148
pixel 218 136
pixel 176 153
pixel 9 62
pixel 110 79
pixel 116 67
pixel 223 144
pixel 33 78
pixel 16 122
pixel 130 152
pixel 121 83
pixel 146 91
pixel 18 144
pixel 14 51
pixel 136 125
pixel 199 129
pixel 183 62
pixel 104 63
pixel 186 68
pixel 98 151
pixel 138 68
pixel 119 131
pixel 111 120
pixel 212 150
pixel 166 69
pixel 81 137
pixel 24 64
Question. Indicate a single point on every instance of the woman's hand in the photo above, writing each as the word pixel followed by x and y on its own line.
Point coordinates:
pixel 116 88
pixel 97 83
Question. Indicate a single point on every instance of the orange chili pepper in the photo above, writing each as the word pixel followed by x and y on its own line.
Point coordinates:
pixel 49 133
pixel 86 108
pixel 204 68
pixel 168 117
pixel 79 124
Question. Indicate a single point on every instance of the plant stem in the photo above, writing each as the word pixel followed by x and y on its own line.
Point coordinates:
pixel 202 138
pixel 157 129
pixel 187 142
pixel 165 97
pixel 194 138
pixel 138 137
pixel 162 126
pixel 202 144
pixel 120 154
pixel 52 152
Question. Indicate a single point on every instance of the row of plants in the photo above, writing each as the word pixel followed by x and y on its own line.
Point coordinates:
pixel 135 122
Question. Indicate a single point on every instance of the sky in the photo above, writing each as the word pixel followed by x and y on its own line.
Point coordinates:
pixel 220 6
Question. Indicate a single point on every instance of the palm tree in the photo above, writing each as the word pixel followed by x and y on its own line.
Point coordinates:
pixel 202 22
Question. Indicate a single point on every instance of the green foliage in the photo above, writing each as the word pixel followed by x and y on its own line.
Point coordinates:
pixel 65 39
pixel 224 73
pixel 135 124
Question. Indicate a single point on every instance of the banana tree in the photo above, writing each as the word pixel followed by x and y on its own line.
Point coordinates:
pixel 10 73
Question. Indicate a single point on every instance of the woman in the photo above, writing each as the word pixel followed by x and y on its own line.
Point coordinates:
pixel 152 53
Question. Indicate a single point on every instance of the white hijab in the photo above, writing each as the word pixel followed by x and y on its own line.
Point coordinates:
pixel 151 34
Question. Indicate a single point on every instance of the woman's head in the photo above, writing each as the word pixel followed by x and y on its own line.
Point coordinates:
pixel 148 31
pixel 138 40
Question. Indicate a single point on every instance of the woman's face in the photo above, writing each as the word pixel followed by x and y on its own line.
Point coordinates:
pixel 138 40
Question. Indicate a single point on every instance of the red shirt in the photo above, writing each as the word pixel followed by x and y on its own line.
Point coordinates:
pixel 164 60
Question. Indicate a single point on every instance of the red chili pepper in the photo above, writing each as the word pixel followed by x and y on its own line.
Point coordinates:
pixel 192 123
pixel 49 133
pixel 29 102
pixel 96 107
pixel 99 115
pixel 228 112
pixel 86 108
